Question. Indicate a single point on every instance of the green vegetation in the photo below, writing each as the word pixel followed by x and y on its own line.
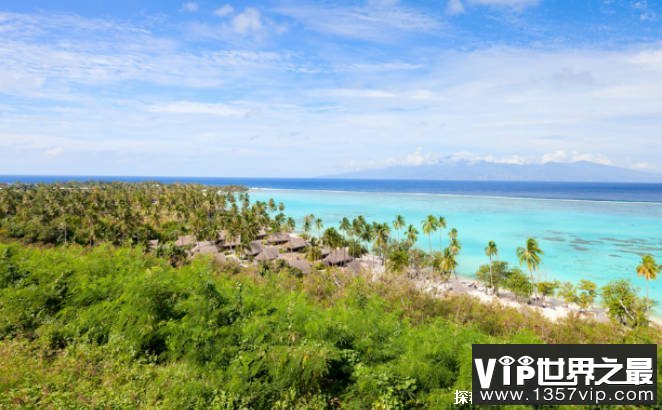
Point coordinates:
pixel 106 326
pixel 92 316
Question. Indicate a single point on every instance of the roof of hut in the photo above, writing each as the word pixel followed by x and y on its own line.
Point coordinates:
pixel 261 233
pixel 269 253
pixel 278 237
pixel 338 257
pixel 186 240
pixel 254 248
pixel 296 261
pixel 295 243
pixel 205 247
pixel 355 266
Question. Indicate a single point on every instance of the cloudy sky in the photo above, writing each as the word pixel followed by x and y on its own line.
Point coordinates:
pixel 308 88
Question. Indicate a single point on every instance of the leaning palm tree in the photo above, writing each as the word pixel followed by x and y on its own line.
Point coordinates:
pixel 398 224
pixel 491 250
pixel 429 226
pixel 530 256
pixel 649 270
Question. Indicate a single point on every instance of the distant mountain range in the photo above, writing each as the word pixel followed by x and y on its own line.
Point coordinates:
pixel 464 170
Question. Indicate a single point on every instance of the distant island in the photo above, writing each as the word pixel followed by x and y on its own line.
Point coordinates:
pixel 464 170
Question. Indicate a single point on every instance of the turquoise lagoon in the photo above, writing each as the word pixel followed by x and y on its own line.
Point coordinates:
pixel 595 240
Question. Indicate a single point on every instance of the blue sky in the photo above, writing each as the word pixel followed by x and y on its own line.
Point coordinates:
pixel 298 88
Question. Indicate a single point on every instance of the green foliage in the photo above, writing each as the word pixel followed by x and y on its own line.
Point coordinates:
pixel 518 283
pixel 109 327
pixel 131 213
pixel 623 305
pixel 500 272
pixel 547 288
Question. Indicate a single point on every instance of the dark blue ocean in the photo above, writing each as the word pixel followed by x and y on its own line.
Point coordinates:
pixel 630 192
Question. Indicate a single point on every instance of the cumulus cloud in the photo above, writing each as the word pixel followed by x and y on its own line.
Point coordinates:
pixel 247 21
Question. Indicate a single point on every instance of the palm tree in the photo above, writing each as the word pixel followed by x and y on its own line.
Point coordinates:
pixel 308 223
pixel 412 234
pixel 441 224
pixel 398 224
pixel 319 225
pixel 530 256
pixel 491 250
pixel 345 227
pixel 649 270
pixel 448 262
pixel 452 234
pixel 382 233
pixel 429 226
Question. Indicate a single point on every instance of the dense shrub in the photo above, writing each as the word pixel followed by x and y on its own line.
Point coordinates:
pixel 112 327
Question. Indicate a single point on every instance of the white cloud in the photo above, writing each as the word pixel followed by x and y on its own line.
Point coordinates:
pixel 189 107
pixel 247 21
pixel 224 10
pixel 454 7
pixel 517 4
pixel 190 7
pixel 357 93
pixel 574 156
pixel 53 152
pixel 384 22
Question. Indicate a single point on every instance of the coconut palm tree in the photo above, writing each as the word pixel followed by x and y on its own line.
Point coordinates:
pixel 648 269
pixel 530 256
pixel 429 226
pixel 319 225
pixel 382 232
pixel 441 225
pixel 345 227
pixel 452 234
pixel 412 235
pixel 491 250
pixel 308 223
pixel 398 224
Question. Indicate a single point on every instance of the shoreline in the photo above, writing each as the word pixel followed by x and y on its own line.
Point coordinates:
pixel 554 308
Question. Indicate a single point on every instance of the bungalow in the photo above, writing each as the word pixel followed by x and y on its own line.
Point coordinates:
pixel 338 257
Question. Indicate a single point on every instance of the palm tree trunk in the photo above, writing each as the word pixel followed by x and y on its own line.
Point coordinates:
pixel 491 277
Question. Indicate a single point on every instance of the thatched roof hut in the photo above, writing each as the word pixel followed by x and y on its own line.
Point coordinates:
pixel 338 257
pixel 204 247
pixel 226 241
pixel 278 237
pixel 254 248
pixel 269 253
pixel 296 261
pixel 295 243
pixel 186 240
pixel 261 234
pixel 355 267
